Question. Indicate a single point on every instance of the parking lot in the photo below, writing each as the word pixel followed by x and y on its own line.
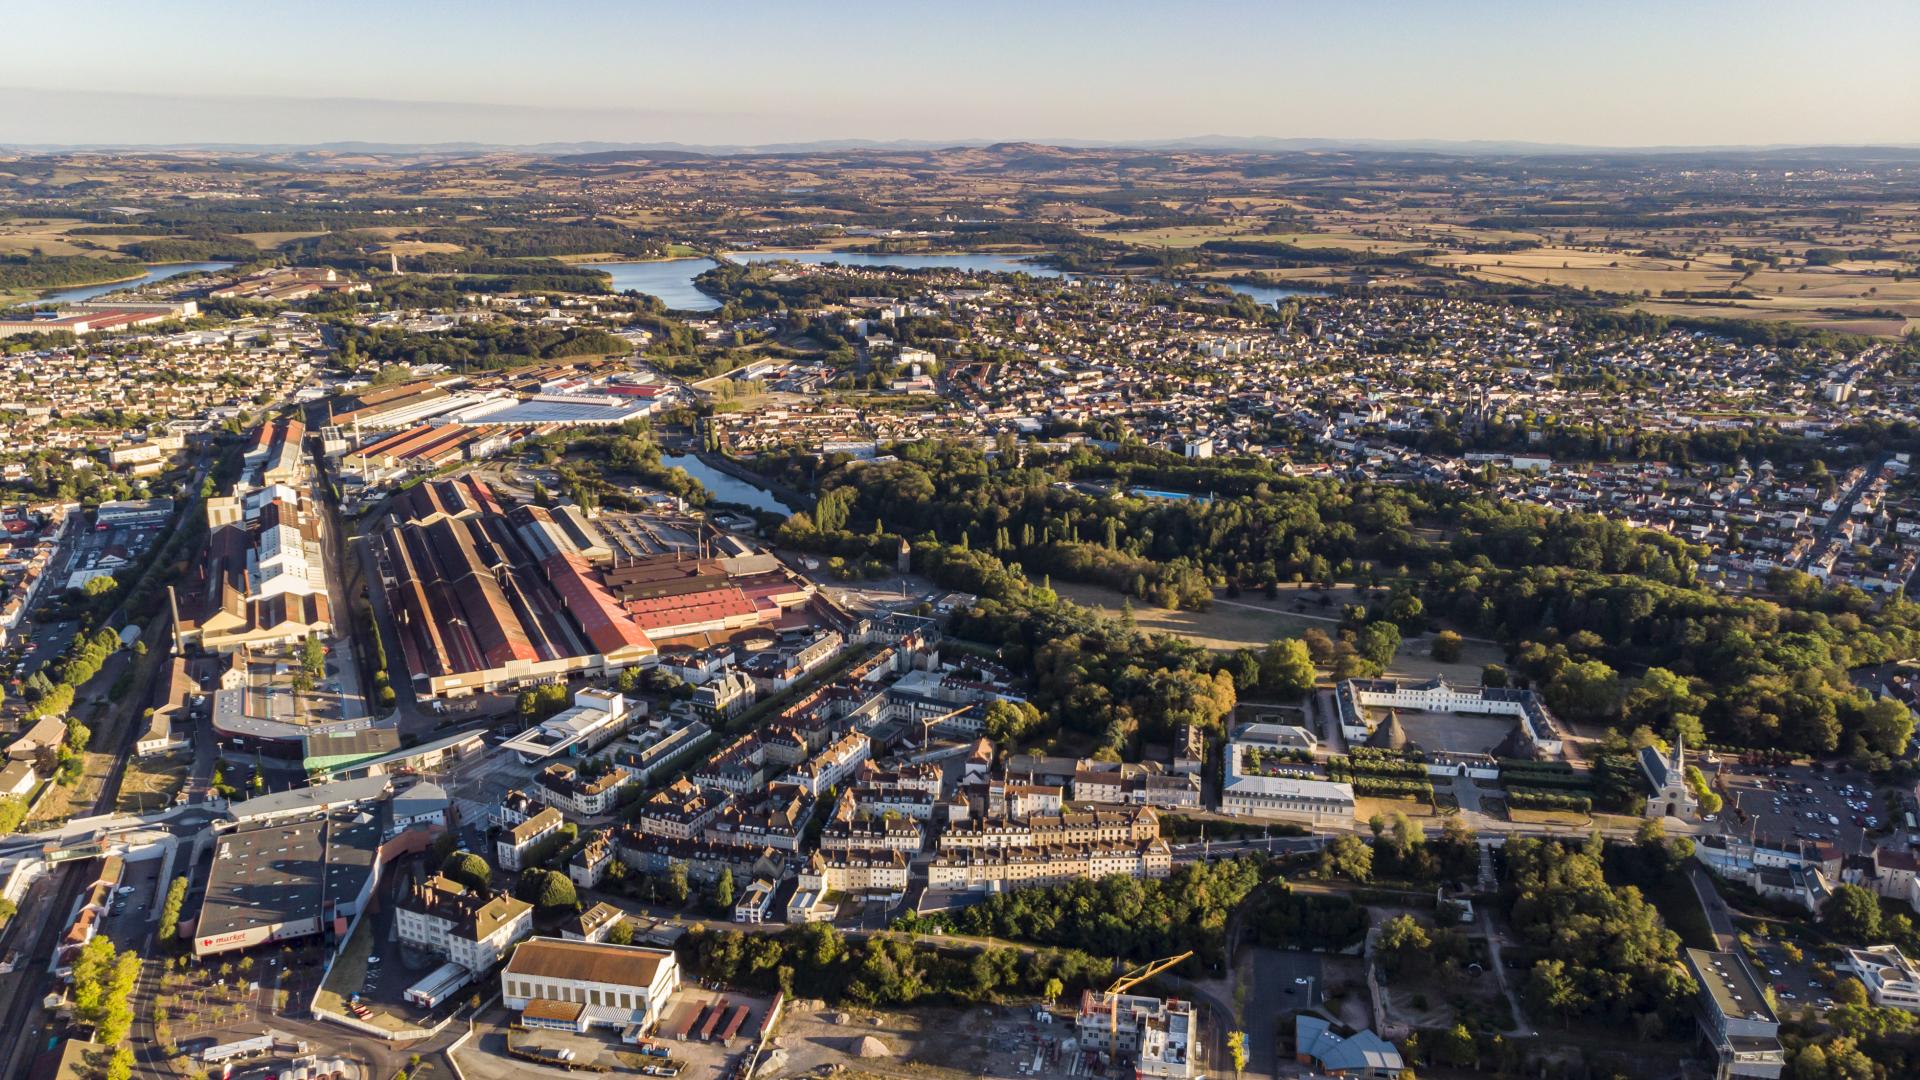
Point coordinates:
pixel 1798 802
pixel 1795 985
pixel 140 892
pixel 692 1059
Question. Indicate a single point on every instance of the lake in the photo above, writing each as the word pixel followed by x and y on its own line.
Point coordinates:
pixel 964 260
pixel 672 279
pixel 153 274
pixel 669 279
pixel 727 487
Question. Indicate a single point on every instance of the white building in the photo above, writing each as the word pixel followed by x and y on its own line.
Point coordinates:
pixel 1892 980
pixel 511 849
pixel 471 929
pixel 1245 793
pixel 755 903
pixel 579 984
pixel 596 718
pixel 1355 696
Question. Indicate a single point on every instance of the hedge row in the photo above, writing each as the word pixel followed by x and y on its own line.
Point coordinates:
pixel 1525 799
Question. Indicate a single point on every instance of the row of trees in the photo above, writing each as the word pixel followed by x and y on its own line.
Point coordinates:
pixel 102 990
pixel 1123 916
pixel 815 961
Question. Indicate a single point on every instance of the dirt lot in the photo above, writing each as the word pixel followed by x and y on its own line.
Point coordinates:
pixel 1453 732
pixel 150 782
pixel 985 1041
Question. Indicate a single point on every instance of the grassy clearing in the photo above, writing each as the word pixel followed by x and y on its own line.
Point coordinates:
pixel 1225 626
pixel 23 236
pixel 149 783
pixel 349 972
pixel 1364 808
pixel 1548 817
pixel 404 248
pixel 1179 236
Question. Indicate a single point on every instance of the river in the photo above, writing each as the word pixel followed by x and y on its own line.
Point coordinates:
pixel 727 487
pixel 672 279
pixel 154 273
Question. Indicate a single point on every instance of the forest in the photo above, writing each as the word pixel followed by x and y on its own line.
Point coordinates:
pixel 1612 623
pixel 484 345
pixel 52 272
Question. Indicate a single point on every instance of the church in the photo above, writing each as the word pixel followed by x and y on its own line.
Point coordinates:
pixel 1667 776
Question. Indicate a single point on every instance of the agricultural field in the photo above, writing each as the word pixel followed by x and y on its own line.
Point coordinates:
pixel 49 236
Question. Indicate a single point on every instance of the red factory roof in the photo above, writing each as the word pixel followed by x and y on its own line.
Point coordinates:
pixel 706 606
pixel 607 627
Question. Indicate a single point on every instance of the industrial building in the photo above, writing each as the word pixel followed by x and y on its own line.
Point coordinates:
pixel 578 985
pixel 262 581
pixel 280 880
pixel 478 609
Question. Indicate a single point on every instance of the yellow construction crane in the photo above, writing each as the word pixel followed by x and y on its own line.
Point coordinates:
pixel 926 724
pixel 1130 980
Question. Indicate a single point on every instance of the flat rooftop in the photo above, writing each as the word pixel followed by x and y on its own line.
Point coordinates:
pixel 1730 983
pixel 554 735
pixel 283 872
pixel 560 412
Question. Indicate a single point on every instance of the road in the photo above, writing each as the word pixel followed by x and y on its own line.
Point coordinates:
pixel 35 939
pixel 1718 918
pixel 1846 499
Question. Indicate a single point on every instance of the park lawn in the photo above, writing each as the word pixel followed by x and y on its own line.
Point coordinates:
pixel 1364 807
pixel 1224 626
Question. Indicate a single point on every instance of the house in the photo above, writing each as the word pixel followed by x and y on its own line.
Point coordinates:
pixel 44 737
pixel 1362 1054
pixel 593 924
pixel 18 778
pixel 755 902
pixel 512 847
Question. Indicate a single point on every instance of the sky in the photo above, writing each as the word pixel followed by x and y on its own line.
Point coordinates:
pixel 718 72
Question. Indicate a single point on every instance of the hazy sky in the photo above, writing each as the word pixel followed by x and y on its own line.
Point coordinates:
pixel 1616 72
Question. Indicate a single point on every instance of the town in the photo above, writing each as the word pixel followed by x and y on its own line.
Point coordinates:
pixel 1220 607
